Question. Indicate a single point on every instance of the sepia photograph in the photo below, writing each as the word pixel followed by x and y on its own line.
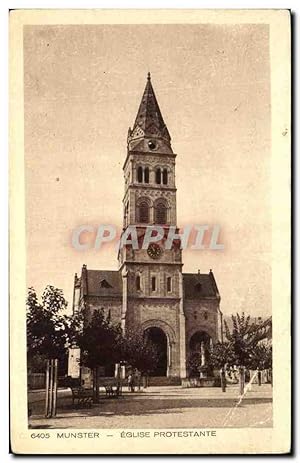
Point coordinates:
pixel 149 228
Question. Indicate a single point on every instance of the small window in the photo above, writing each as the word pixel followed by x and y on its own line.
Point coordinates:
pixel 198 287
pixel 153 283
pixel 138 283
pixel 205 315
pixel 126 212
pixel 146 175
pixel 140 174
pixel 158 176
pixel 169 284
pixel 165 177
pixel 105 284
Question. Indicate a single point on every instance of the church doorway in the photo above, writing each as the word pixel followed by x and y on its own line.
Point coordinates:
pixel 159 339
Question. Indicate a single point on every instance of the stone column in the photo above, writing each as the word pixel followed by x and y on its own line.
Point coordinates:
pixel 169 356
pixel 125 297
pixel 182 345
pixel 202 359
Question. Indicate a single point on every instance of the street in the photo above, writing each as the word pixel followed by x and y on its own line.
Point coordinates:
pixel 160 407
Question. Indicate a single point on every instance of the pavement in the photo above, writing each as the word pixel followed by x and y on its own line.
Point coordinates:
pixel 160 407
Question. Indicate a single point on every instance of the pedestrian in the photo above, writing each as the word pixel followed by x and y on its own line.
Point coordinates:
pixel 137 378
pixel 223 379
pixel 132 383
pixel 129 381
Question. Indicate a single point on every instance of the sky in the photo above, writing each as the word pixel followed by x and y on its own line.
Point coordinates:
pixel 82 88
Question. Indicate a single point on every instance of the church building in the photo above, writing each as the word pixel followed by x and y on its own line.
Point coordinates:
pixel 149 291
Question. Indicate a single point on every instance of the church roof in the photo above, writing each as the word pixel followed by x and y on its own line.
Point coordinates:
pixel 199 285
pixel 149 121
pixel 104 283
pixel 108 283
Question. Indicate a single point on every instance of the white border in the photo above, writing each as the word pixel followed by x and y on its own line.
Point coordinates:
pixel 293 4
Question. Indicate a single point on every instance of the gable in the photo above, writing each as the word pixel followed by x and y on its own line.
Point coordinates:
pixel 104 283
pixel 198 286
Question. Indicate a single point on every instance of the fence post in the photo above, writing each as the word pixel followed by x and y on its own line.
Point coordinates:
pixel 51 390
pixel 242 380
pixel 47 389
pixel 55 387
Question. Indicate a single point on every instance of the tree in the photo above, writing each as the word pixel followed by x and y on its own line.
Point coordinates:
pixel 194 363
pixel 221 357
pixel 261 359
pixel 243 339
pixel 239 348
pixel 221 354
pixel 49 331
pixel 139 352
pixel 100 344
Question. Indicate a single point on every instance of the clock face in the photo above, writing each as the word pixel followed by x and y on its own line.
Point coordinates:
pixel 154 251
pixel 152 144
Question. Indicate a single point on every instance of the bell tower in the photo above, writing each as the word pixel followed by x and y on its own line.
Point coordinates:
pixel 149 169
pixel 152 277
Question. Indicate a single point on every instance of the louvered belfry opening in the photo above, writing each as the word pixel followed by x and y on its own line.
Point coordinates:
pixel 143 211
pixel 160 212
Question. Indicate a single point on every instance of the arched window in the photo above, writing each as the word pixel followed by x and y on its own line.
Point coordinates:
pixel 169 284
pixel 138 283
pixel 126 213
pixel 140 174
pixel 146 175
pixel 165 177
pixel 158 176
pixel 142 211
pixel 160 214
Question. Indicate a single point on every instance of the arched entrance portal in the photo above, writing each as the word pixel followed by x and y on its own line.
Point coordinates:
pixel 159 339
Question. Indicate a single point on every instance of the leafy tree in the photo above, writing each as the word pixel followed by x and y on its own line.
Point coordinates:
pixel 194 363
pixel 100 343
pixel 242 347
pixel 261 358
pixel 36 363
pixel 243 338
pixel 49 330
pixel 139 352
pixel 221 354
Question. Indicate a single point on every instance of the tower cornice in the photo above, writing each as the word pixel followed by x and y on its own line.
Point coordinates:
pixel 146 155
pixel 149 187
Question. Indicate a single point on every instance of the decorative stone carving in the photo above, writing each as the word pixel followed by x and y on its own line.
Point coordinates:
pixel 153 161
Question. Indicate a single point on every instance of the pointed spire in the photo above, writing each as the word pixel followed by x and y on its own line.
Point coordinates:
pixel 149 122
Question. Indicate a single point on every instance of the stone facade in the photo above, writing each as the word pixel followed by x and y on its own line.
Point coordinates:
pixel 149 292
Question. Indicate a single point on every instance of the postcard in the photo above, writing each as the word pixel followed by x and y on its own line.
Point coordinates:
pixel 150 157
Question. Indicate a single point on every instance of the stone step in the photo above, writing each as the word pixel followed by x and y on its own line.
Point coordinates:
pixel 164 381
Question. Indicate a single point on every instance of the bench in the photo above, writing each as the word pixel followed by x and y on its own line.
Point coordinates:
pixel 112 391
pixel 83 397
